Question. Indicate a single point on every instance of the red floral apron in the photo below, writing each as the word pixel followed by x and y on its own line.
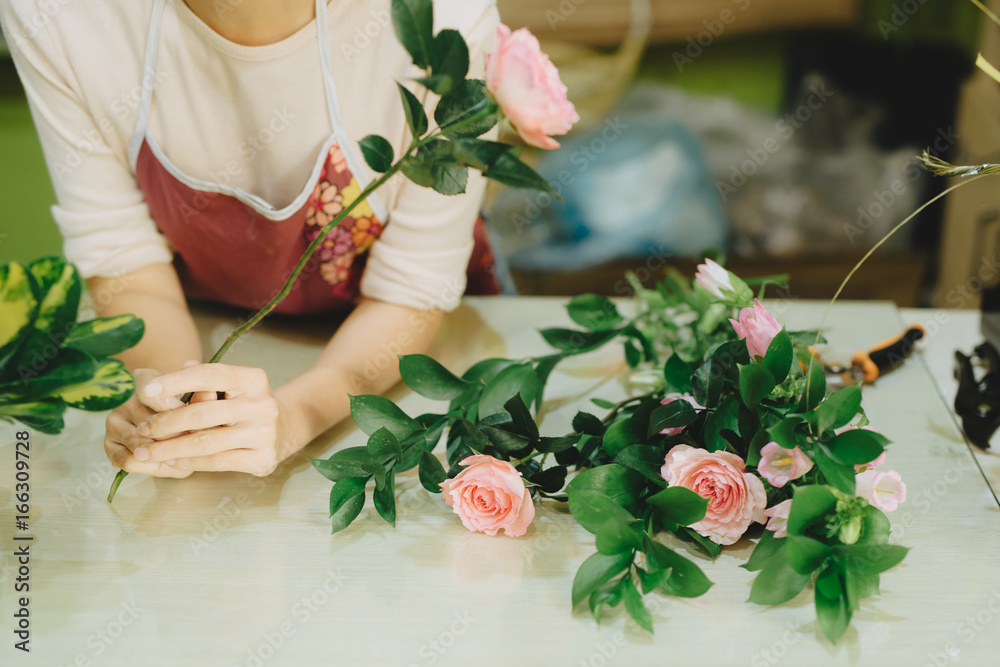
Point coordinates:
pixel 233 247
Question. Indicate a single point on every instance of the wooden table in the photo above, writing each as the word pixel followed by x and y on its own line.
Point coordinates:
pixel 227 569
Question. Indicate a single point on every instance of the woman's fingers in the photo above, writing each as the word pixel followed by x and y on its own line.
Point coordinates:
pixel 235 381
pixel 198 444
pixel 122 458
pixel 194 417
pixel 244 460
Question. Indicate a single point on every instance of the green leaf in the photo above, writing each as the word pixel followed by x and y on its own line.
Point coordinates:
pixel 677 506
pixel 810 504
pixel 347 463
pixel 110 386
pixel 383 446
pixel 815 387
pixel 621 434
pixel 839 409
pixel 645 459
pixel 805 554
pixel 431 472
pixel 675 414
pixel 478 153
pixel 44 416
pixel 377 152
pixel 652 580
pixel 609 593
pixel 857 446
pixel 623 485
pixel 414 110
pixel 66 368
pixel 584 422
pixel 511 171
pixel 595 571
pixel 707 381
pixel 594 312
pixel 783 432
pixel 601 403
pixel 615 537
pixel 450 177
pixel 344 490
pixel 724 418
pixel 467 111
pixel 418 171
pixel 636 608
pixel 372 412
pixel 556 445
pixel 413 21
pixel 518 379
pixel 766 548
pixel 18 308
pixel 450 56
pixel 523 423
pixel 677 373
pixel 438 83
pixel 756 384
pixel 503 439
pixel 687 579
pixel 778 581
pixel 875 526
pixel 832 611
pixel 429 378
pixel 105 336
pixel 577 342
pixel 385 499
pixel 551 480
pixel 543 369
pixel 711 548
pixel 778 358
pixel 593 509
pixel 58 287
pixel 869 559
pixel 347 512
pixel 839 475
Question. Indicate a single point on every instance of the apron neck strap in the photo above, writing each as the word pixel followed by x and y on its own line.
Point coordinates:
pixel 148 81
pixel 323 40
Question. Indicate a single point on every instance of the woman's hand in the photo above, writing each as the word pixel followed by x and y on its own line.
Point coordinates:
pixel 244 432
pixel 122 437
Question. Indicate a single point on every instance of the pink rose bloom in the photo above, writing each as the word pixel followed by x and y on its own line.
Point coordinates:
pixel 489 495
pixel 736 498
pixel 779 465
pixel 758 327
pixel 778 518
pixel 527 87
pixel 714 278
pixel 884 490
pixel 671 399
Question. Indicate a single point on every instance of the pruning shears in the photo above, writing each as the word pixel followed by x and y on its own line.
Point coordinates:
pixel 866 366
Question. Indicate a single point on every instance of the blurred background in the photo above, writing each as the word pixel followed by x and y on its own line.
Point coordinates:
pixel 781 133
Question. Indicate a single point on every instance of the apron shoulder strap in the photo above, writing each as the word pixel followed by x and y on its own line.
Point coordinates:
pixel 148 81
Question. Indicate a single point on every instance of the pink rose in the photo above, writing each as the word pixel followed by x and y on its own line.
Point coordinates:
pixel 778 518
pixel 527 87
pixel 735 497
pixel 780 466
pixel 489 495
pixel 671 399
pixel 713 278
pixel 758 327
pixel 884 490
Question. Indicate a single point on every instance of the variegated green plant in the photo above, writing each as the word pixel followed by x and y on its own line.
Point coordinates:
pixel 48 360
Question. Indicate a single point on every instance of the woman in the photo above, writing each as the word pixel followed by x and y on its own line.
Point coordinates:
pixel 196 148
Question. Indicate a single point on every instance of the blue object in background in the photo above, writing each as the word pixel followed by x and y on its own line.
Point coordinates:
pixel 633 186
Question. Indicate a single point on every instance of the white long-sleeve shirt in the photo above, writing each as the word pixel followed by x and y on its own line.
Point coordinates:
pixel 253 118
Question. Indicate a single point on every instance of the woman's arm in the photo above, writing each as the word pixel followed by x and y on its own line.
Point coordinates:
pixel 153 293
pixel 255 428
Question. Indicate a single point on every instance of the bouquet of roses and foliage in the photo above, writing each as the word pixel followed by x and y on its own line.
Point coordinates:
pixel 737 428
